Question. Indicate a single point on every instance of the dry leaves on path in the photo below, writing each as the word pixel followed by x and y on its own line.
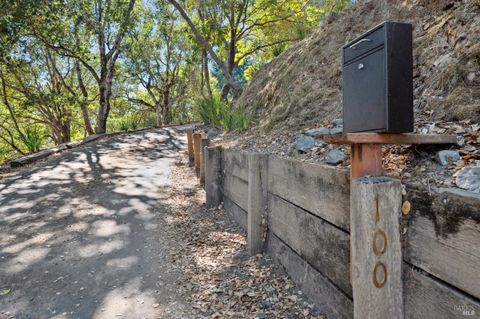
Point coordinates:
pixel 219 279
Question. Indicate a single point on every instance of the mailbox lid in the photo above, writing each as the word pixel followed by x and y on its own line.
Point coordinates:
pixel 367 42
pixel 364 94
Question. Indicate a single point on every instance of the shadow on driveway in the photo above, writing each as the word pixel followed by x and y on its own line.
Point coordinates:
pixel 81 234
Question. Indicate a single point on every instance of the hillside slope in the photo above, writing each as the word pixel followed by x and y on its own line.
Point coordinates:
pixel 303 84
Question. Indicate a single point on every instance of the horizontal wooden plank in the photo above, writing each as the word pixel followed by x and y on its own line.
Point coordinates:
pixel 236 212
pixel 443 237
pixel 325 247
pixel 322 190
pixel 331 300
pixel 389 138
pixel 237 190
pixel 428 298
pixel 236 164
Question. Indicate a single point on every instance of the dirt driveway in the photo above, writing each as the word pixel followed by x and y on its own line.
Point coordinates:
pixel 118 229
pixel 81 233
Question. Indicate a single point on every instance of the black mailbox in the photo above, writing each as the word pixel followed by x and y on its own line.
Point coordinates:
pixel 377 80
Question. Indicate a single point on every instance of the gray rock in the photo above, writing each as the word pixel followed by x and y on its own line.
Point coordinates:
pixel 315 311
pixel 443 60
pixel 304 143
pixel 469 178
pixel 336 130
pixel 335 157
pixel 314 132
pixel 339 122
pixel 447 156
pixel 427 128
pixel 212 133
pixel 264 304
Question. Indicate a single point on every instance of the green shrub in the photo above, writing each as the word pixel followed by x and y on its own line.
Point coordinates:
pixel 226 119
pixel 33 138
pixel 133 122
pixel 217 113
pixel 126 122
pixel 240 119
pixel 149 119
pixel 210 110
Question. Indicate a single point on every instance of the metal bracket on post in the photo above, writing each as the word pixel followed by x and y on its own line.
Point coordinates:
pixel 366 160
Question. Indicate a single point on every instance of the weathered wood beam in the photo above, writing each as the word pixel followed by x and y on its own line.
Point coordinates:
pixel 376 252
pixel 213 176
pixel 257 202
pixel 389 138
pixel 191 156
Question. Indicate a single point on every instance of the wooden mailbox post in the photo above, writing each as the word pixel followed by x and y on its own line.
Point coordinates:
pixel 375 205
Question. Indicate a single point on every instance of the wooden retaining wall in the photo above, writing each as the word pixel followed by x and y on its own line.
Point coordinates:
pixel 308 233
pixel 235 185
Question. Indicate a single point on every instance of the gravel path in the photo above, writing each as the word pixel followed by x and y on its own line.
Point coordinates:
pixel 118 229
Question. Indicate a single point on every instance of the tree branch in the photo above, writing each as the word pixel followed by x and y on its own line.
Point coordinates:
pixel 201 40
pixel 260 47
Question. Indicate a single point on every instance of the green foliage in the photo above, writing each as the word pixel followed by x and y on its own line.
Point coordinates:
pixel 240 119
pixel 211 110
pixel 34 138
pixel 125 123
pixel 131 120
pixel 226 119
pixel 217 113
pixel 51 62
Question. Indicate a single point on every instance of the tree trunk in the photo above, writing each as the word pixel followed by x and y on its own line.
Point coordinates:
pixel 230 67
pixel 206 73
pixel 83 105
pixel 158 115
pixel 167 114
pixel 201 41
pixel 225 91
pixel 10 110
pixel 107 67
pixel 104 107
pixel 86 119
pixel 60 128
pixel 66 137
pixel 101 120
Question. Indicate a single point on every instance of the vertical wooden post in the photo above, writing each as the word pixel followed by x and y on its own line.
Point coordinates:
pixel 257 202
pixel 196 152
pixel 204 142
pixel 213 176
pixel 190 146
pixel 375 248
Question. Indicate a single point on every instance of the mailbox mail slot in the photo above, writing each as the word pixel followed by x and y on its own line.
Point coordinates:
pixel 377 80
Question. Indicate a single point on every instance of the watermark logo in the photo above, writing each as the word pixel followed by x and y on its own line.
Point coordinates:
pixel 465 310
